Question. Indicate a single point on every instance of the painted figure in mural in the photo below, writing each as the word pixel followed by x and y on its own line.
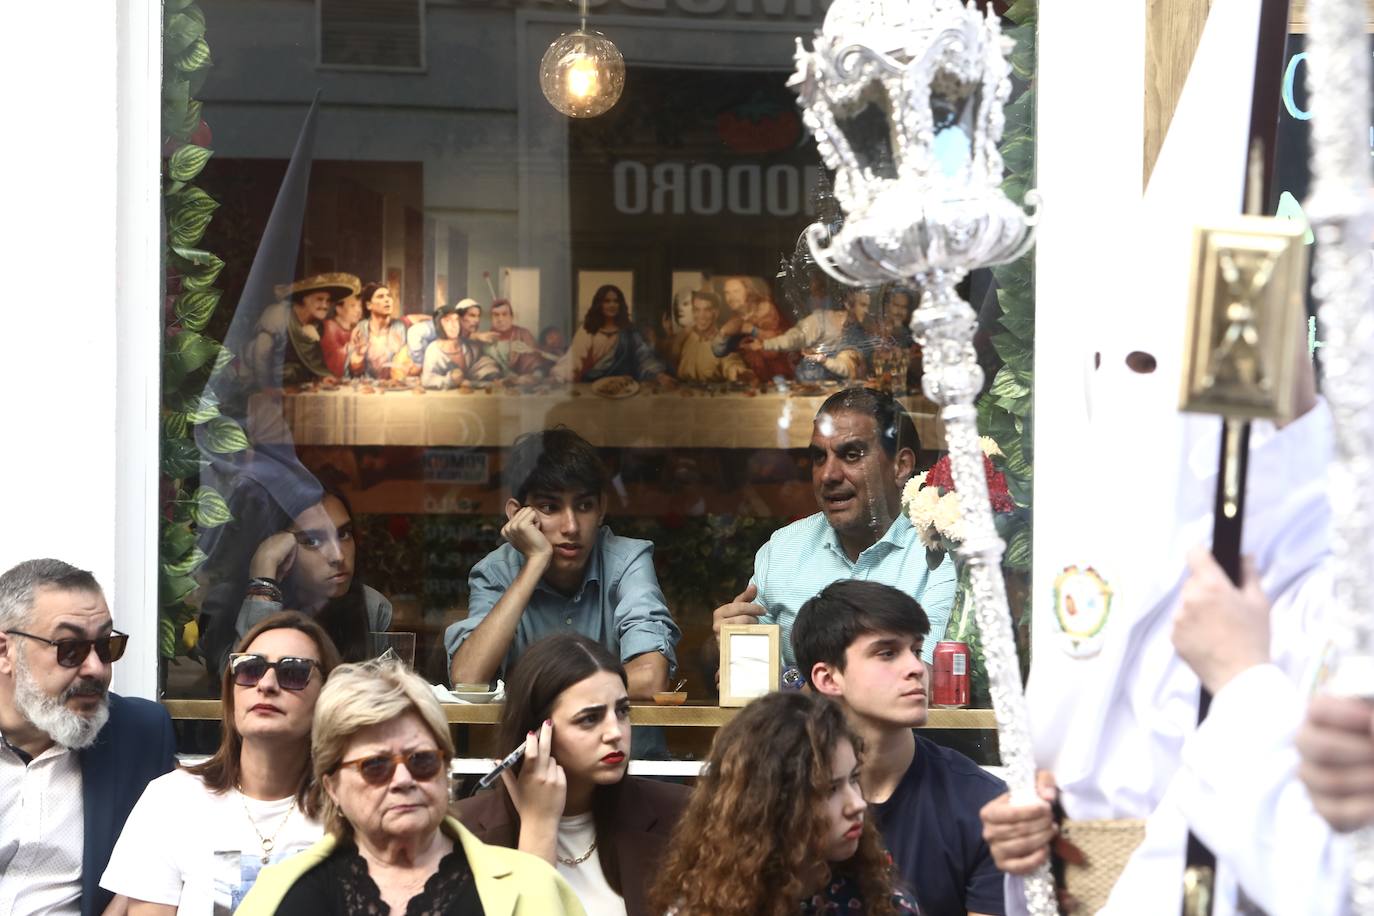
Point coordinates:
pixel 766 321
pixel 287 348
pixel 827 345
pixel 344 316
pixel 609 344
pixel 694 348
pixel 553 340
pixel 454 359
pixel 377 340
pixel 512 347
pixel 735 293
pixel 897 309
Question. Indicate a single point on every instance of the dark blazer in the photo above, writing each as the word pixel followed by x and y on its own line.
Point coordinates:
pixel 649 810
pixel 135 747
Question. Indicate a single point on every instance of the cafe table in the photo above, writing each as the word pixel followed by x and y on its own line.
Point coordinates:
pixel 689 715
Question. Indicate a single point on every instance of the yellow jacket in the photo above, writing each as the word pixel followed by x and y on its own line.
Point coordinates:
pixel 510 883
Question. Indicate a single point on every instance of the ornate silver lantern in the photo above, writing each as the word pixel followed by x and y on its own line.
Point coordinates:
pixel 905 100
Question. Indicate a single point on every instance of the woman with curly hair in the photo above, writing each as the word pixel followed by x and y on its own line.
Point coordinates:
pixel 776 824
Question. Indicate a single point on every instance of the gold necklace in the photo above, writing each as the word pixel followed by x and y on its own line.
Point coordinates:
pixel 580 859
pixel 267 841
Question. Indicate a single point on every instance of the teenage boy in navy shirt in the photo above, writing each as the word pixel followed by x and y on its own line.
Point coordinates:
pixel 860 642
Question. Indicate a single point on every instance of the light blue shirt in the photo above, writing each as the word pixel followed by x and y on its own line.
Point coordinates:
pixel 805 556
pixel 619 603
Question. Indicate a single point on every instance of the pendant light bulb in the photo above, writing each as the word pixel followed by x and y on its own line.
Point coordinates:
pixel 582 74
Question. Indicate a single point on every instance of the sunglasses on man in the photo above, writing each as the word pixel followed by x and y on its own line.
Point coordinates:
pixel 378 770
pixel 72 652
pixel 292 673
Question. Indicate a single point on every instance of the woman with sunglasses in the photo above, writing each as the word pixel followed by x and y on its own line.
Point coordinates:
pixel 776 824
pixel 381 754
pixel 198 836
pixel 573 803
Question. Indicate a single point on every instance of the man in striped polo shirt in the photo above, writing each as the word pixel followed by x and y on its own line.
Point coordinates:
pixel 863 451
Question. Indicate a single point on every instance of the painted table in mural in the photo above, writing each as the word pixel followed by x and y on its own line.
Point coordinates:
pixel 683 418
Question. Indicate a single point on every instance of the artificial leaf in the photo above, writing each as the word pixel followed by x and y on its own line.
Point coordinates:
pixel 1007 385
pixel 189 120
pixel 186 565
pixel 1013 351
pixel 173 587
pixel 1018 555
pixel 180 458
pixel 1015 188
pixel 199 408
pixel 223 436
pixel 195 57
pixel 208 508
pixel 188 351
pixel 194 308
pixel 202 277
pixel 197 257
pixel 175 6
pixel 187 162
pixel 177 540
pixel 224 357
pixel 174 186
pixel 1020 115
pixel 1023 326
pixel 174 424
pixel 1021 12
pixel 166 637
pixel 186 229
pixel 1023 55
pixel 1018 155
pixel 194 200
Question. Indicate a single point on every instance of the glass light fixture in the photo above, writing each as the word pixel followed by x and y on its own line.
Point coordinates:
pixel 583 72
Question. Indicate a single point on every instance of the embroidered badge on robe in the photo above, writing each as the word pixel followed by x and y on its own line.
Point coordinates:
pixel 1082 603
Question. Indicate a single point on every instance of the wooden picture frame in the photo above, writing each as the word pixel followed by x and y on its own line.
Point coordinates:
pixel 750 662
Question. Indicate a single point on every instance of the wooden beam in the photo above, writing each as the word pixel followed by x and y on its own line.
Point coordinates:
pixel 1172 32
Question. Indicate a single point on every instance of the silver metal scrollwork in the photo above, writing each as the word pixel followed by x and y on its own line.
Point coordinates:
pixel 905 100
pixel 1341 208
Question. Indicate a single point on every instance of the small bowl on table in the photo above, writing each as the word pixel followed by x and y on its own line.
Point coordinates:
pixel 670 697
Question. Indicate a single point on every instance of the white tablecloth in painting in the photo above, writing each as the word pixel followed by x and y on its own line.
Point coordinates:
pixel 682 419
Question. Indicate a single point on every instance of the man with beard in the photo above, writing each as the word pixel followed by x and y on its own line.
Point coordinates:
pixel 863 451
pixel 74 758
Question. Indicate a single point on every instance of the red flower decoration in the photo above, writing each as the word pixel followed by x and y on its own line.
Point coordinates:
pixel 941 475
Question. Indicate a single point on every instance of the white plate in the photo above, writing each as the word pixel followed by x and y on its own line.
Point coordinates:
pixel 488 696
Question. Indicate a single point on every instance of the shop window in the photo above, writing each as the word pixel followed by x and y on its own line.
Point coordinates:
pixel 379 438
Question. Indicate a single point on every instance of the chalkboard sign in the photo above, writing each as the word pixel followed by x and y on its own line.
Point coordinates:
pixel 1292 177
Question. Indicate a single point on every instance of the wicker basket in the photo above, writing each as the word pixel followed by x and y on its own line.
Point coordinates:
pixel 1106 845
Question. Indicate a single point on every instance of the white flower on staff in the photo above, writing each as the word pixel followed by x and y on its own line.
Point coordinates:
pixel 949 517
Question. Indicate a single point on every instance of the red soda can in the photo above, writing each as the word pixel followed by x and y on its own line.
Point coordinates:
pixel 951 688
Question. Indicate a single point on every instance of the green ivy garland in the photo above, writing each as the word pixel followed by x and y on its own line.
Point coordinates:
pixel 188 356
pixel 1004 410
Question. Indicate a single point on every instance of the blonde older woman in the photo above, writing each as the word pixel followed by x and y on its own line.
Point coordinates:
pixel 381 749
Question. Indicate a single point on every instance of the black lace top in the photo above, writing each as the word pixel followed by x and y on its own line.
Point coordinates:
pixel 341 884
